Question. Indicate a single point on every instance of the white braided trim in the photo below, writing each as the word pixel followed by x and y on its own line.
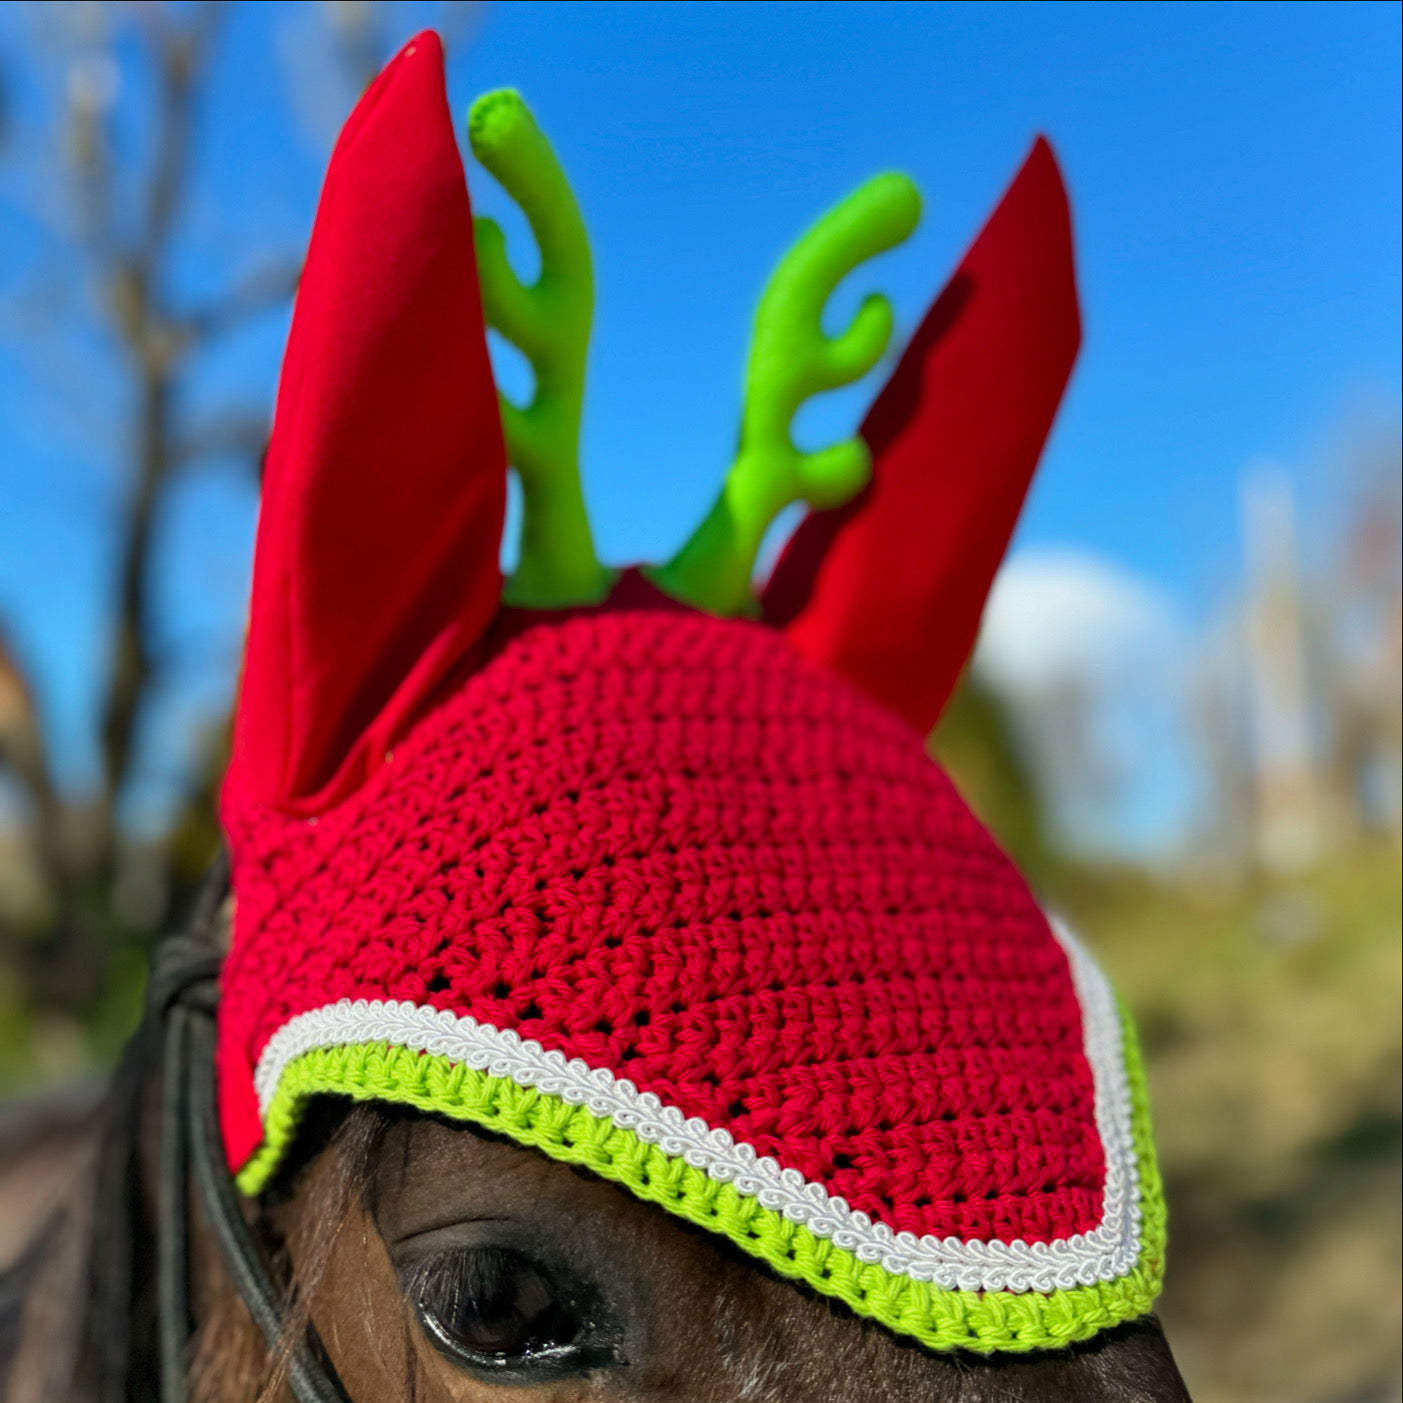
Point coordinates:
pixel 1110 1250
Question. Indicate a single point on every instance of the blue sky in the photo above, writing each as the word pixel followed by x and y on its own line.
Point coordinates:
pixel 1234 172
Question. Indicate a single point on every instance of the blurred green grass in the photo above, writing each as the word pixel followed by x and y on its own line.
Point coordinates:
pixel 1272 1026
pixel 1271 1022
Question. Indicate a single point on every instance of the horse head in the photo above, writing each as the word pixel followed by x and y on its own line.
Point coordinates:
pixel 619 1001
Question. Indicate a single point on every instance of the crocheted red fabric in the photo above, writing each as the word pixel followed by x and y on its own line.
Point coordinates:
pixel 678 899
pixel 668 846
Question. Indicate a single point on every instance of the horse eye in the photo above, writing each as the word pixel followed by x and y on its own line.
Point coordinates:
pixel 495 1309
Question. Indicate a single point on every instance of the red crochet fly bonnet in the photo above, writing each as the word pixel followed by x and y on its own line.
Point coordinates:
pixel 633 867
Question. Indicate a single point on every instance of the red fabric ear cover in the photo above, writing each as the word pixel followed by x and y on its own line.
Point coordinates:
pixel 375 570
pixel 889 589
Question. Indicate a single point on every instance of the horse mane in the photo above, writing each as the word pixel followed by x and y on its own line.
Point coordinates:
pixel 227 1346
pixel 77 1308
pixel 68 1303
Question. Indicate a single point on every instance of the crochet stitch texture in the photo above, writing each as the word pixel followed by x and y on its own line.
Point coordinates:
pixel 677 899
pixel 668 846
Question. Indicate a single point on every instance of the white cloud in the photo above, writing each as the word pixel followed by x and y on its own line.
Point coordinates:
pixel 1091 659
pixel 1059 617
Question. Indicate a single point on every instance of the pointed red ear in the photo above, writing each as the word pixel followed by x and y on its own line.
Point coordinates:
pixel 375 571
pixel 889 589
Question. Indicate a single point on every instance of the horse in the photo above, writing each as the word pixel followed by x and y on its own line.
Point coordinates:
pixel 606 998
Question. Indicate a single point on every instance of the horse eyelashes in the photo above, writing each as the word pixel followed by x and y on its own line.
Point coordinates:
pixel 498 1303
pixel 497 1311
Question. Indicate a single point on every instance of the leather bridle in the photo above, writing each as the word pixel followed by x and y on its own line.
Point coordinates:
pixel 182 995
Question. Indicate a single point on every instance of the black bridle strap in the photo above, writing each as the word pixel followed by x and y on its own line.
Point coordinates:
pixel 183 983
pixel 183 993
pixel 172 1216
pixel 310 1375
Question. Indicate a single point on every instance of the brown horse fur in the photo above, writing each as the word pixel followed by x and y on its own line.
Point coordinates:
pixel 373 1192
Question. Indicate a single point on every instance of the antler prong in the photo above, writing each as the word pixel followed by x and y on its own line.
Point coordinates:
pixel 549 322
pixel 792 359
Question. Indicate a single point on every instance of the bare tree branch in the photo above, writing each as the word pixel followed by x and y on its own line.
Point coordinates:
pixel 240 433
pixel 181 53
pixel 179 56
pixel 114 216
pixel 21 742
pixel 265 291
pixel 360 39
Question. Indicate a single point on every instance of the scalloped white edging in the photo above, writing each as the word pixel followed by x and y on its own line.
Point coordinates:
pixel 1109 1251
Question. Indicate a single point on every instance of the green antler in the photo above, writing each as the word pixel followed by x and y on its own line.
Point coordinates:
pixel 792 359
pixel 549 322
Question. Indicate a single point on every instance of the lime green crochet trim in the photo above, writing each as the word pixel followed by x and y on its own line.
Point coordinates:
pixel 937 1316
pixel 1154 1213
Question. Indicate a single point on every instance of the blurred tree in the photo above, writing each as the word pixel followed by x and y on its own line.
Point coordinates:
pixel 1362 672
pixel 126 92
pixel 976 742
pixel 1340 599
